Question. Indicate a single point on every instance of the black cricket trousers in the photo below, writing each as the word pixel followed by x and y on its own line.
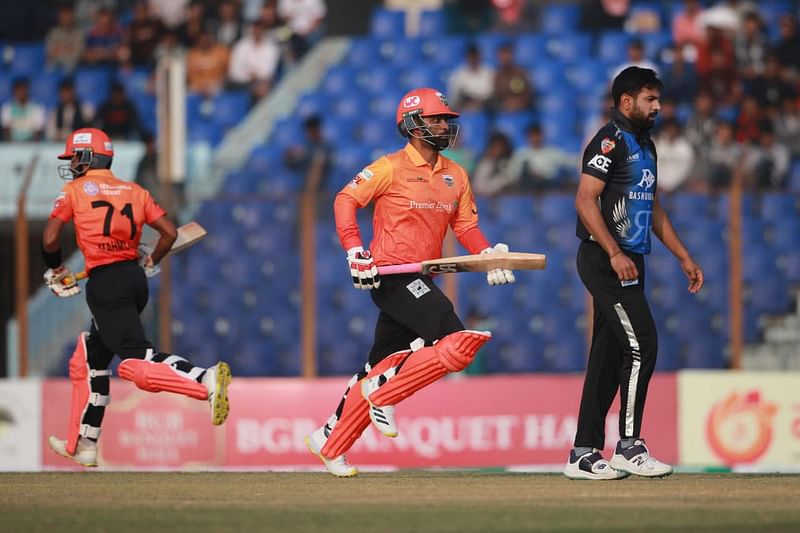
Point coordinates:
pixel 623 351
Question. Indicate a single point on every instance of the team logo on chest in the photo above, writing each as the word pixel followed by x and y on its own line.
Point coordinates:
pixel 448 180
pixel 606 145
pixel 648 178
pixel 91 188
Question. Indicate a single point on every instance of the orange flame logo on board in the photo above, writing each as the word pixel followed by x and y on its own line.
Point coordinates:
pixel 739 428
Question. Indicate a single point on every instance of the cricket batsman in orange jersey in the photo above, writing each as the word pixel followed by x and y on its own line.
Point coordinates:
pixel 417 194
pixel 108 214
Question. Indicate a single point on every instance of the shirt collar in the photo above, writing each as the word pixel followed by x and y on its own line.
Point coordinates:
pixel 418 160
pixel 627 124
pixel 98 172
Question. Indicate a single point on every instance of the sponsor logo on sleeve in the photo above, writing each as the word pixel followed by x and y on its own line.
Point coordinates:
pixel 59 201
pixel 606 145
pixel 365 174
pixel 91 187
pixel 448 180
pixel 600 162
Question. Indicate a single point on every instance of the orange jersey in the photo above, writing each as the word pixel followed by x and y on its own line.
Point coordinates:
pixel 414 205
pixel 108 215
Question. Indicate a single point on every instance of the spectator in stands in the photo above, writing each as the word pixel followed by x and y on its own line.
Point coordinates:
pixel 513 16
pixel 103 40
pixel 491 176
pixel 769 87
pixel 206 65
pixel 227 27
pixel 787 49
pixel 751 47
pixel 720 78
pixel 117 116
pixel 142 37
pixel 786 123
pixel 536 166
pixel 687 30
pixel 470 85
pixel 636 58
pixel 21 119
pixel 767 161
pixel 64 42
pixel 645 19
pixel 604 15
pixel 312 160
pixel 69 114
pixel 749 121
pixel 254 61
pixel 675 156
pixel 195 24
pixel 170 45
pixel 724 156
pixel 305 19
pixel 679 77
pixel 701 127
pixel 512 88
pixel 171 12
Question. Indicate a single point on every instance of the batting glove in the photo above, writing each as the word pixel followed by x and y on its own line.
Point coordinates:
pixel 499 276
pixel 146 262
pixel 362 269
pixel 61 282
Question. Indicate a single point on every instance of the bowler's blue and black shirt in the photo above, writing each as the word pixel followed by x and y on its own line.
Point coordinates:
pixel 625 158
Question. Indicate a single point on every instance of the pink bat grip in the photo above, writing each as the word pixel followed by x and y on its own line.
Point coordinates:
pixel 408 268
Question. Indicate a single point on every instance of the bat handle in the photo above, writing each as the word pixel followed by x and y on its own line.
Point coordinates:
pixel 408 268
pixel 76 277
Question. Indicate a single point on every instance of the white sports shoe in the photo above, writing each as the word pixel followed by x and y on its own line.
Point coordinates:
pixel 216 380
pixel 637 460
pixel 382 417
pixel 85 452
pixel 338 466
pixel 591 466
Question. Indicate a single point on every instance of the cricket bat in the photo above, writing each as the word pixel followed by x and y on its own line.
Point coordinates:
pixel 470 263
pixel 189 234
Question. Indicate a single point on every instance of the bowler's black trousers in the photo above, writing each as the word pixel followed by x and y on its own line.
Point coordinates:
pixel 624 348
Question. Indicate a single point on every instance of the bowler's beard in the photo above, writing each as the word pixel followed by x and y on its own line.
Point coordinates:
pixel 642 121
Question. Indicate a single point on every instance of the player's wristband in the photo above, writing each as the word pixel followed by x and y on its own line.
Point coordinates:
pixel 615 254
pixel 52 259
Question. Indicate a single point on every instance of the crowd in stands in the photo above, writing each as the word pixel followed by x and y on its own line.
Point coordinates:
pixel 229 45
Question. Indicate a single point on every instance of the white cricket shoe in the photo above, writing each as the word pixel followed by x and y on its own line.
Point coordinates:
pixel 591 465
pixel 338 466
pixel 85 452
pixel 382 417
pixel 637 460
pixel 216 380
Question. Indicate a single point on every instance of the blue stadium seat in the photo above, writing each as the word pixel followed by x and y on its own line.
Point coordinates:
pixel 424 76
pixel 384 106
pixel 363 53
pixel 401 53
pixel 28 59
pixel 92 84
pixel 146 109
pixel 386 23
pixel 654 43
pixel 313 103
pixel 512 210
pixel 230 107
pixel 432 23
pixel 204 131
pixel 704 351
pixel 448 51
pixel 5 88
pixel 546 75
pixel 669 356
pixel 514 124
pixel 559 18
pixel 570 47
pixel 557 209
pixel 512 356
pixel 568 354
pixel 286 133
pixel 769 296
pixel 489 44
pixel 778 206
pixel 44 87
pixel 612 46
pixel 379 79
pixel 349 159
pixel 789 264
pixel 474 130
pixel 530 50
pixel 341 129
pixel 588 76
pixel 135 80
pixel 338 79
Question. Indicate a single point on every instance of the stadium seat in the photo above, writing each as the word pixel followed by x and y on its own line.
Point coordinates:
pixel 568 354
pixel 5 86
pixel 92 84
pixel 530 50
pixel 612 46
pixel 432 23
pixel 44 87
pixel 313 103
pixel 588 77
pixel 778 206
pixel 570 47
pixel 135 80
pixel 401 53
pixel 338 79
pixel 448 51
pixel 546 75
pixel 363 53
pixel 769 296
pixel 28 59
pixel 513 125
pixel 378 79
pixel 704 351
pixel 489 44
pixel 386 23
pixel 559 18
pixel 474 130
pixel 230 107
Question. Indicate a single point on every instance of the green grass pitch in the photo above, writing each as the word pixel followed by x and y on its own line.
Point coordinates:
pixel 416 501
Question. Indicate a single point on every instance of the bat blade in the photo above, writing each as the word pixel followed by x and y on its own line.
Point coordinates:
pixel 189 234
pixel 471 263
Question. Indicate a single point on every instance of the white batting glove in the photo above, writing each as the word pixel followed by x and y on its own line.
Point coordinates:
pixel 61 282
pixel 146 262
pixel 499 276
pixel 362 269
